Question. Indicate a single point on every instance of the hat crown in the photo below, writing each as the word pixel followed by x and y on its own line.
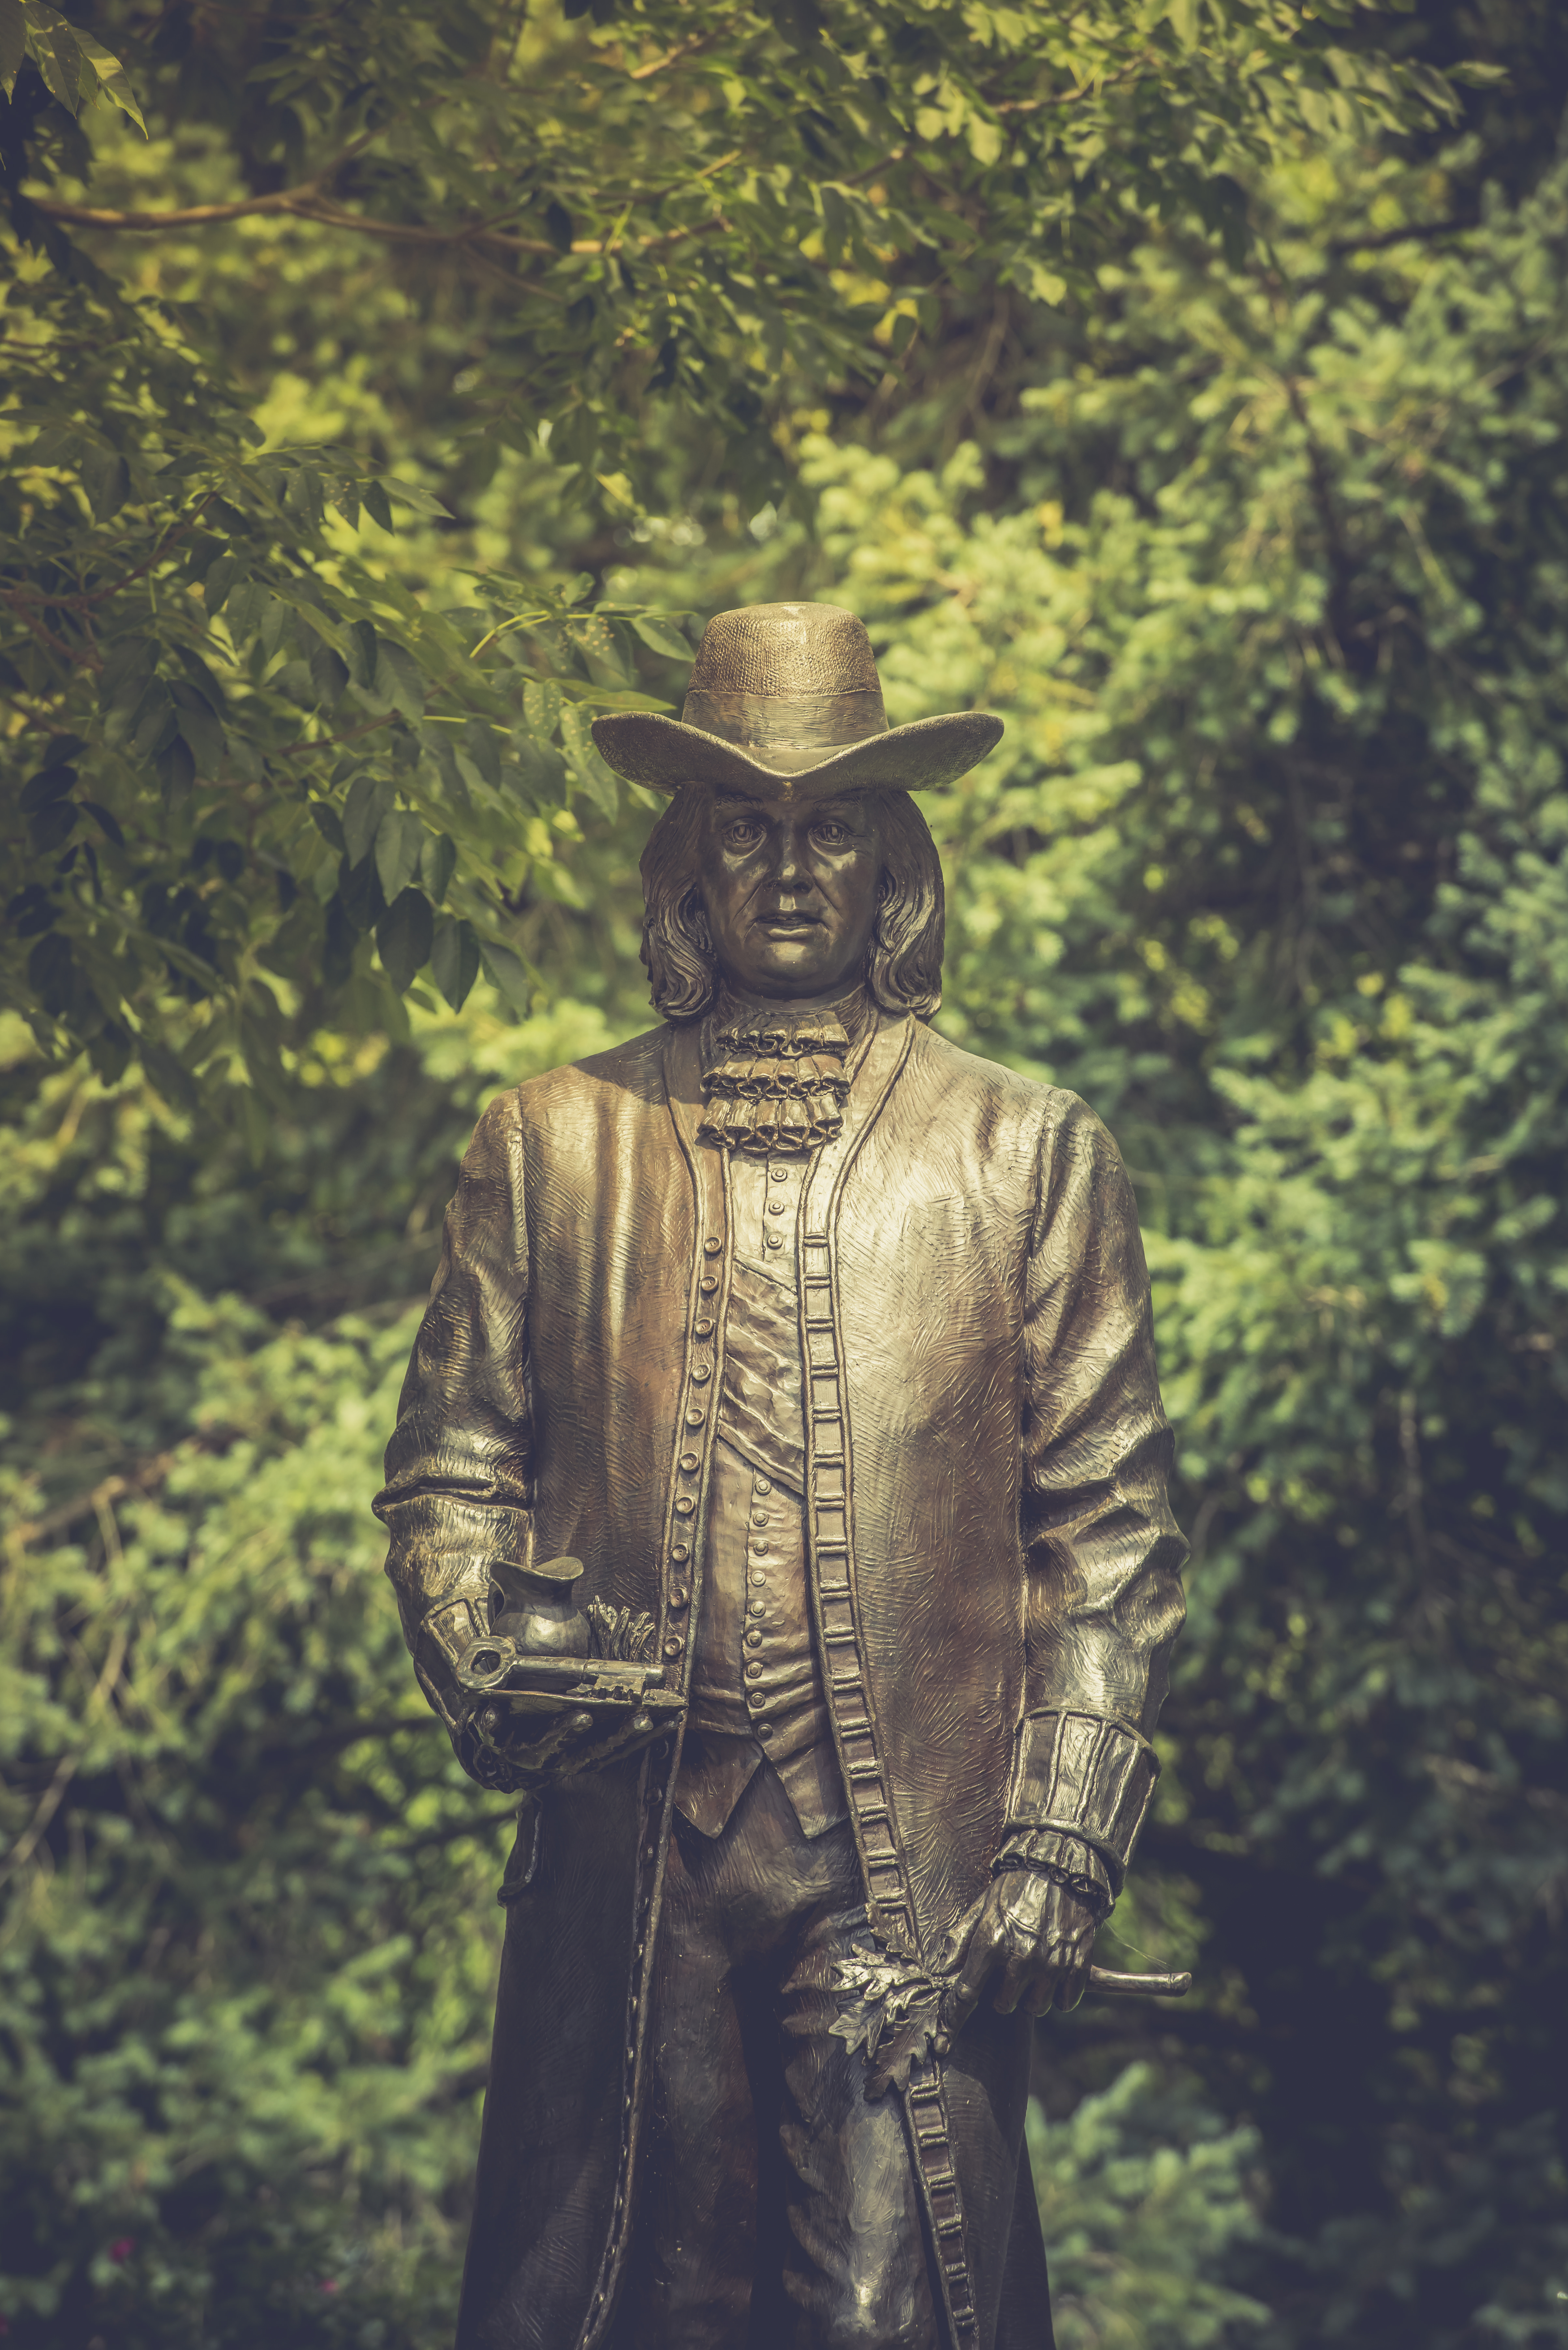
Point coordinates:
pixel 788 651
pixel 788 683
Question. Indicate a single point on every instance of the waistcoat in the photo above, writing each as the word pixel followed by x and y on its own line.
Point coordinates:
pixel 756 1690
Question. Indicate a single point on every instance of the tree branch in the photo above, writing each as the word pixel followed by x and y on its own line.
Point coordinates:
pixel 1417 233
pixel 673 56
pixel 300 204
pixel 97 1498
pixel 16 602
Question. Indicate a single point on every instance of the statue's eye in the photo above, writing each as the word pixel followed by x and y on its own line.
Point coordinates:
pixel 743 836
pixel 831 836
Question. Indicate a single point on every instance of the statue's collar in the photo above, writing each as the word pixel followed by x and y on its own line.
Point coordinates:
pixel 775 1075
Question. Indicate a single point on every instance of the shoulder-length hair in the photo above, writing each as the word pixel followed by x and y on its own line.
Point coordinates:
pixel 903 965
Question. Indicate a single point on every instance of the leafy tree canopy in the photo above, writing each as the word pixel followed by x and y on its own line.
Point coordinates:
pixel 267 774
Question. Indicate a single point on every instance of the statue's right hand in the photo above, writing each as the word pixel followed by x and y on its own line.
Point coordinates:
pixel 531 1751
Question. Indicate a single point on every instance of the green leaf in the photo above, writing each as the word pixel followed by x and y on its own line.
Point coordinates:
pixel 404 936
pixel 200 730
pixel 399 678
pixel 52 826
pixel 129 667
pixel 454 960
pixel 399 837
pixel 105 478
pixel 168 1075
pixel 109 1053
pixel 370 798
pixel 327 823
pixel 219 584
pixel 176 772
pixel 542 707
pixel 1185 21
pixel 362 655
pixel 419 502
pixel 328 674
pixel 53 50
pixel 50 783
pixel 112 77
pixel 662 637
pixel 602 787
pixel 106 821
pixel 482 744
pixel 13 50
pixel 377 505
pixel 508 974
pixel 438 862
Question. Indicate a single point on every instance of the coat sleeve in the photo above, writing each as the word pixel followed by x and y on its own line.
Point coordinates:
pixel 460 1465
pixel 1102 1551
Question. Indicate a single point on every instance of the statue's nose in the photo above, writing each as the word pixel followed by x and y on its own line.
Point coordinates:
pixel 790 868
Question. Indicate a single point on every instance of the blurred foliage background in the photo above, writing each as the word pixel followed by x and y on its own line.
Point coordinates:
pixel 1186 381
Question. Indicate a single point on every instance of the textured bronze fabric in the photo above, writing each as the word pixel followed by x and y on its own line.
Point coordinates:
pixel 791 652
pixel 748 2091
pixel 1012 1556
pixel 757 1685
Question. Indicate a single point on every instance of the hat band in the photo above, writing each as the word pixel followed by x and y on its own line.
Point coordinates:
pixel 788 732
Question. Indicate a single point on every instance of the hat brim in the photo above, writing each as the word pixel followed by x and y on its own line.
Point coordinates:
pixel 665 753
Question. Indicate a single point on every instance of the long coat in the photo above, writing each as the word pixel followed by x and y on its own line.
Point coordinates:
pixel 989 1540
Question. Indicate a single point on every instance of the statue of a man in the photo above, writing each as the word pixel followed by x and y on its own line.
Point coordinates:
pixel 826 1347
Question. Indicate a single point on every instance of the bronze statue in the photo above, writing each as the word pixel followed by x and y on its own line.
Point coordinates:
pixel 778 1504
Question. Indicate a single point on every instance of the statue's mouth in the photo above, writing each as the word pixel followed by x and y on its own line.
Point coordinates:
pixel 788 920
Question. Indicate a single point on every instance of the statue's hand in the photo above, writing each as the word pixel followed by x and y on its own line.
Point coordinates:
pixel 528 1752
pixel 1028 1940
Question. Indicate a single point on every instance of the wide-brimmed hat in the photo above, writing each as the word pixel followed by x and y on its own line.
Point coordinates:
pixel 784 702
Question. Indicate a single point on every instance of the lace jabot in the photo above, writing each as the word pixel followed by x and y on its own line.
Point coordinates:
pixel 774 1079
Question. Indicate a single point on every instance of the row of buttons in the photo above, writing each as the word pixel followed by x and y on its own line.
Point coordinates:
pixel 758 1550
pixel 690 1463
pixel 777 1207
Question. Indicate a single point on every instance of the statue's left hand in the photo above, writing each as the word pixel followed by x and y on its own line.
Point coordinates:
pixel 1028 1940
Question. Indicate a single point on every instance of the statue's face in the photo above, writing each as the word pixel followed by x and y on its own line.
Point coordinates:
pixel 791 893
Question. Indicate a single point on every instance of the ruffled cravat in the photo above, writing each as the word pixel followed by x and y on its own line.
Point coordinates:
pixel 774 1079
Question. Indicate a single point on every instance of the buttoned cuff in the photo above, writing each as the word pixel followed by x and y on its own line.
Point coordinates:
pixel 1066 1859
pixel 1085 1775
pixel 445 1632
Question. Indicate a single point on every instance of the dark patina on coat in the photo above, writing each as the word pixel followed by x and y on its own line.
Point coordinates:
pixel 992 1554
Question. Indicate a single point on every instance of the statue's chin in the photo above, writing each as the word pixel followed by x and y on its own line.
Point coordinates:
pixel 792 969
